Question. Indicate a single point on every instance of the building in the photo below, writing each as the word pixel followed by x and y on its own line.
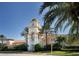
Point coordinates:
pixel 11 42
pixel 14 43
pixel 18 42
pixel 6 41
pixel 33 35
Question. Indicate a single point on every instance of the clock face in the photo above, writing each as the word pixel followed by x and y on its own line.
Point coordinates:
pixel 33 24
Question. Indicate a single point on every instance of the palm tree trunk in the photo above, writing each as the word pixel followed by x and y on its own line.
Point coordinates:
pixel 77 20
pixel 78 30
pixel 46 38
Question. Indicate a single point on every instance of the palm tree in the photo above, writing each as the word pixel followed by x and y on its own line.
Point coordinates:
pixel 64 13
pixel 45 29
pixel 25 32
pixel 2 37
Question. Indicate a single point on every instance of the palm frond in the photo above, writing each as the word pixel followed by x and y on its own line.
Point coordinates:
pixel 64 11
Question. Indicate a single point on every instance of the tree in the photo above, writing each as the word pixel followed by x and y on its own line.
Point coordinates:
pixel 45 29
pixel 2 37
pixel 25 32
pixel 67 14
pixel 61 41
pixel 38 47
pixel 21 47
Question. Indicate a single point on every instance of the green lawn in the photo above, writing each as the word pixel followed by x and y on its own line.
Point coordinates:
pixel 63 53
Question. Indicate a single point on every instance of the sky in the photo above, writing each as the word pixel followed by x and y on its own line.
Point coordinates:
pixel 14 17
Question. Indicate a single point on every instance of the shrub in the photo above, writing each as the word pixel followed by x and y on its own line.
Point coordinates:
pixel 57 46
pixel 72 47
pixel 38 47
pixel 47 47
pixel 22 47
pixel 60 42
pixel 5 48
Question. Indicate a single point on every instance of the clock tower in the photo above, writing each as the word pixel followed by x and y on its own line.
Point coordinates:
pixel 33 31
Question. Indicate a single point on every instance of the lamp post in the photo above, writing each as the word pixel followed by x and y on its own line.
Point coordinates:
pixel 51 32
pixel 51 46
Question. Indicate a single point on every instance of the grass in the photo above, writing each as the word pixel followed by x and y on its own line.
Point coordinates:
pixel 64 53
pixel 57 53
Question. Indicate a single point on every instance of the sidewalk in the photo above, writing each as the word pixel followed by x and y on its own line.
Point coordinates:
pixel 24 54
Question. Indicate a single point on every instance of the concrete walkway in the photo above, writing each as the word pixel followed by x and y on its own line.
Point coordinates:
pixel 24 54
